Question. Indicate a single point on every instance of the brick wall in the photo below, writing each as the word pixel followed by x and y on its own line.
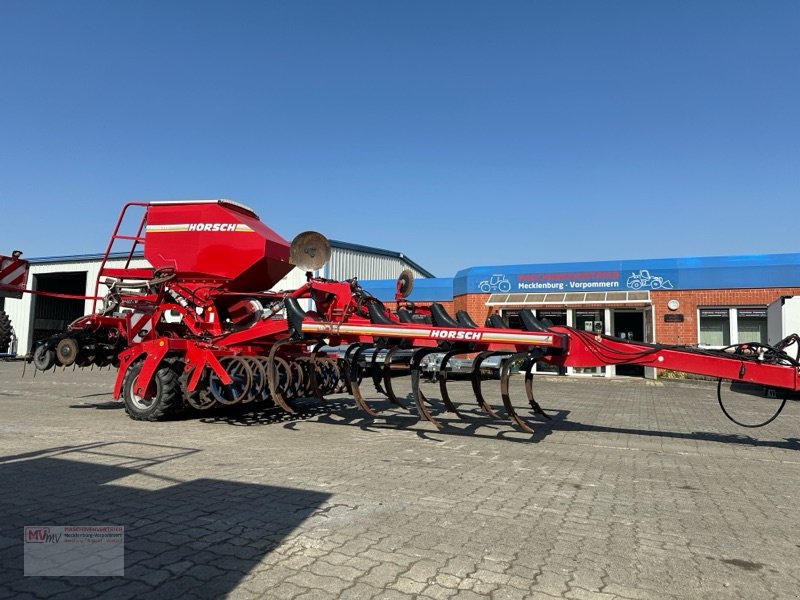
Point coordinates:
pixel 690 300
pixel 475 305
pixel 667 333
pixel 448 306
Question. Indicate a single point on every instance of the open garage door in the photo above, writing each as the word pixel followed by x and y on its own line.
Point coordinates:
pixel 52 315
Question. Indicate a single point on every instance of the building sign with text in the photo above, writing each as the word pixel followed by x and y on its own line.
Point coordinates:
pixel 572 281
pixel 730 272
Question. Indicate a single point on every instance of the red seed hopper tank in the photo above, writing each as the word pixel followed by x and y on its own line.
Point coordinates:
pixel 215 241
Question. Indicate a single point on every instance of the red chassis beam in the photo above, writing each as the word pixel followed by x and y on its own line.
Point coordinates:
pixel 484 338
pixel 588 350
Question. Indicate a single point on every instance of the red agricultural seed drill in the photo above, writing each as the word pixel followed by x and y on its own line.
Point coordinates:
pixel 196 328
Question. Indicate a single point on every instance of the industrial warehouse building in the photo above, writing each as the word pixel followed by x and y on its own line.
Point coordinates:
pixel 37 316
pixel 711 302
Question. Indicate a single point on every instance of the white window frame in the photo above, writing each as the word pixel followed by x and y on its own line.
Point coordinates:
pixel 733 323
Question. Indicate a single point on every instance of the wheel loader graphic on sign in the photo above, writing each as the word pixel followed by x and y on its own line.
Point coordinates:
pixel 496 283
pixel 643 279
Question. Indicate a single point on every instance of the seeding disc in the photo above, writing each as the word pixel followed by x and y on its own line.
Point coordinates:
pixel 67 351
pixel 406 282
pixel 310 251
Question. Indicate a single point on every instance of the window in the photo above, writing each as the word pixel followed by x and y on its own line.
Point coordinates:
pixel 726 326
pixel 752 325
pixel 715 327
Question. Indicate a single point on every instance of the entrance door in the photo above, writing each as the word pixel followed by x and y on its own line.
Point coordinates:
pixel 594 321
pixel 557 317
pixel 629 325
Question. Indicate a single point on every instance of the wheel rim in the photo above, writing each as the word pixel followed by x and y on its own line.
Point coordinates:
pixel 44 358
pixel 143 402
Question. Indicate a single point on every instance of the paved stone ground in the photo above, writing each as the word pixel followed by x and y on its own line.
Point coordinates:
pixel 634 490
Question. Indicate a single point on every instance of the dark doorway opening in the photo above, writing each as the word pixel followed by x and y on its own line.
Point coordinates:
pixel 558 317
pixel 629 325
pixel 52 315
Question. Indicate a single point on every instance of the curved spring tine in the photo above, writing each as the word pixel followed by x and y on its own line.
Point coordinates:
pixel 374 371
pixel 528 368
pixel 342 383
pixel 348 361
pixel 272 376
pixel 476 383
pixel 505 373
pixel 387 377
pixel 313 372
pixel 355 375
pixel 443 380
pixel 419 398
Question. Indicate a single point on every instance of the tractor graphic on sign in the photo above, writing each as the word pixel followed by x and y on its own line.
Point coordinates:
pixel 643 279
pixel 496 283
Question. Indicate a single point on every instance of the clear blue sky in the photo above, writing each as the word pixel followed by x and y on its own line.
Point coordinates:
pixel 460 133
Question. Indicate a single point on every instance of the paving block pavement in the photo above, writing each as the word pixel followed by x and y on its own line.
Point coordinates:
pixel 634 489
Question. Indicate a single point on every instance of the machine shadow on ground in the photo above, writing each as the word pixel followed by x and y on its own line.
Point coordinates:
pixel 702 436
pixel 182 538
pixel 472 423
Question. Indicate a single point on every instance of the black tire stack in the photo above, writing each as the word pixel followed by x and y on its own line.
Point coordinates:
pixel 5 332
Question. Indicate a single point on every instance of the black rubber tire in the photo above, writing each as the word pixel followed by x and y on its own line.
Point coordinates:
pixel 5 332
pixel 43 357
pixel 167 402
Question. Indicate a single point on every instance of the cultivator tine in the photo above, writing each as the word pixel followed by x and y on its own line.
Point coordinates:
pixel 343 385
pixel 528 367
pixel 415 389
pixel 312 370
pixel 476 383
pixel 443 380
pixel 348 362
pixel 374 371
pixel 355 376
pixel 505 373
pixel 387 377
pixel 273 376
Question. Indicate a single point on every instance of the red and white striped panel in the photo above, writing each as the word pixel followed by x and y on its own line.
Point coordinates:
pixel 140 326
pixel 13 273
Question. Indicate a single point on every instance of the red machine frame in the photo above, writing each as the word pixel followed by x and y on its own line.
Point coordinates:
pixel 199 314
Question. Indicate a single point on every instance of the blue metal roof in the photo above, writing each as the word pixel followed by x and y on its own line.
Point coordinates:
pixel 694 273
pixel 80 258
pixel 436 289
